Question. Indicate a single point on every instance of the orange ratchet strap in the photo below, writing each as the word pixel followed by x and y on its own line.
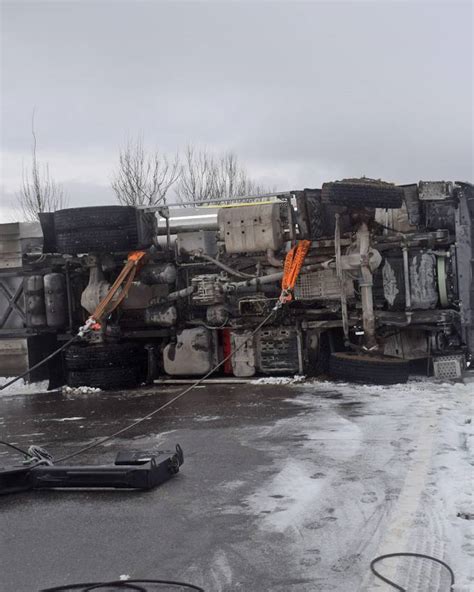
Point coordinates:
pixel 293 263
pixel 123 282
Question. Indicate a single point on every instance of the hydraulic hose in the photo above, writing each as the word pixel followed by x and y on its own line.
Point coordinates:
pixel 225 267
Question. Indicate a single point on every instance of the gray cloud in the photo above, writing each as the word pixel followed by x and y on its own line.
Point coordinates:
pixel 298 90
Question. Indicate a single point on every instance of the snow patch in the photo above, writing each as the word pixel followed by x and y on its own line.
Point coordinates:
pixel 20 387
pixel 277 380
pixel 68 419
pixel 288 498
pixel 340 465
pixel 80 390
pixel 412 387
pixel 234 485
pixel 221 572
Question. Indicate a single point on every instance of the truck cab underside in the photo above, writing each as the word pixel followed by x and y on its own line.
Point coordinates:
pixel 385 285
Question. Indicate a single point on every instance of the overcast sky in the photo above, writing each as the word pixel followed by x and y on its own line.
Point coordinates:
pixel 301 92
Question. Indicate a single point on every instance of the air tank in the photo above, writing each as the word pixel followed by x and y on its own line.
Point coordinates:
pixel 55 300
pixel 33 287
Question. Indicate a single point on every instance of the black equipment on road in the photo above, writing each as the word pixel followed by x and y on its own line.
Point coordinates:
pixel 131 470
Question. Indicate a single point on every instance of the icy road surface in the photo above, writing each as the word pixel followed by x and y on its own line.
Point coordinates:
pixel 289 488
pixel 384 470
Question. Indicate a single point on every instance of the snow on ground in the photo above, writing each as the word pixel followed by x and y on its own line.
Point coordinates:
pixel 80 390
pixel 67 418
pixel 369 470
pixel 347 474
pixel 20 387
pixel 278 380
pixel 292 482
pixel 33 388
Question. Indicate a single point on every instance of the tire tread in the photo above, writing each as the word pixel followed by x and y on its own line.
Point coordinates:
pixel 355 368
pixel 94 217
pixel 363 193
pixel 103 378
pixel 113 355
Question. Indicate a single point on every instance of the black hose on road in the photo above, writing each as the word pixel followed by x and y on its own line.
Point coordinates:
pixel 420 555
pixel 122 585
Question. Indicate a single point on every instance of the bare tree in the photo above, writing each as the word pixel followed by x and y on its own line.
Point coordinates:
pixel 205 177
pixel 232 180
pixel 39 191
pixel 198 176
pixel 143 178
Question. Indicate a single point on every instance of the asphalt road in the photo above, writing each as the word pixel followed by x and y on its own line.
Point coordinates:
pixel 284 488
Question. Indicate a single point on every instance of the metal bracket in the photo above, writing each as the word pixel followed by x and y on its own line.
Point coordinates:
pixel 12 305
pixel 340 275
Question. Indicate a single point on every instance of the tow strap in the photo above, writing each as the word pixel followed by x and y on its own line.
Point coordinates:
pixel 291 270
pixel 108 304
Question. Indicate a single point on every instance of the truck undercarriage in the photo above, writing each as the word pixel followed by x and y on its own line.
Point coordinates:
pixel 386 282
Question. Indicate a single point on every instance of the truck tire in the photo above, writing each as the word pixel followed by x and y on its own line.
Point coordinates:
pixel 310 209
pixel 315 215
pixel 353 367
pixel 104 378
pixel 94 217
pixel 112 355
pixel 363 193
pixel 99 240
pixel 319 352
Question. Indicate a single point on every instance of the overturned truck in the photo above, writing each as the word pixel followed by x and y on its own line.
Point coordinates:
pixel 386 285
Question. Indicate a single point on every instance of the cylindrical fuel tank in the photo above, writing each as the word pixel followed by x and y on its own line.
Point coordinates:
pixel 55 300
pixel 33 288
pixel 422 281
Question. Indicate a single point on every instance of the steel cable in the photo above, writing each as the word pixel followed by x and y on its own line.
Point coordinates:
pixel 43 361
pixel 171 401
